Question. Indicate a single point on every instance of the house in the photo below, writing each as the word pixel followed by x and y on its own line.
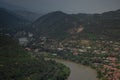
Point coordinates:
pixel 28 49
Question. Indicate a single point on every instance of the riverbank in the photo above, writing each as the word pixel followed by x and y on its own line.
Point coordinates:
pixel 78 71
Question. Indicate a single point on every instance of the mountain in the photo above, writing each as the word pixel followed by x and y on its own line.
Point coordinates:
pixel 21 11
pixel 27 15
pixel 9 22
pixel 54 24
pixel 105 24
pixel 8 18
pixel 61 25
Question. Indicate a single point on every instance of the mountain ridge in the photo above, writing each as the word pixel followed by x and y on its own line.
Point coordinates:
pixel 60 23
pixel 9 22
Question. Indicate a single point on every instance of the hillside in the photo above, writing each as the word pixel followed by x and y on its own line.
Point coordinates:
pixel 18 64
pixel 53 24
pixel 27 15
pixel 9 22
pixel 80 25
pixel 20 12
pixel 7 18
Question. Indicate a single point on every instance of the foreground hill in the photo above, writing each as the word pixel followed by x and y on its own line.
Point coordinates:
pixel 17 64
pixel 80 25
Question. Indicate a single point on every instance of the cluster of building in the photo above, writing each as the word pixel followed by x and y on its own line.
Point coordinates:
pixel 104 53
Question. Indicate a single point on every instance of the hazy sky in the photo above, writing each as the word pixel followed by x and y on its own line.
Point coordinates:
pixel 69 6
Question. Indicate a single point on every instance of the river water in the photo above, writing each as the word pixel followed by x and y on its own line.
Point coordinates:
pixel 79 72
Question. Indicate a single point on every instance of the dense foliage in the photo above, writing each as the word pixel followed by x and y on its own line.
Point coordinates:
pixel 17 64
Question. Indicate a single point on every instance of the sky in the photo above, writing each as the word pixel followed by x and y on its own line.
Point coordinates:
pixel 68 6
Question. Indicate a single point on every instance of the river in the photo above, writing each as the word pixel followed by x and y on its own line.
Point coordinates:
pixel 78 71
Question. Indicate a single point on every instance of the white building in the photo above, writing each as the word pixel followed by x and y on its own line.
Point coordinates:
pixel 23 41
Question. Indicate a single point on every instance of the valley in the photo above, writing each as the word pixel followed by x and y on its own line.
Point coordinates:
pixel 92 40
pixel 101 55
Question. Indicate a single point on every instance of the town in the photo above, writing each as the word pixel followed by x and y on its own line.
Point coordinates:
pixel 101 55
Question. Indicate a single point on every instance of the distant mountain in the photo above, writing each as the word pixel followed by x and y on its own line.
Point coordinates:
pixel 20 11
pixel 27 15
pixel 61 25
pixel 10 22
pixel 8 18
